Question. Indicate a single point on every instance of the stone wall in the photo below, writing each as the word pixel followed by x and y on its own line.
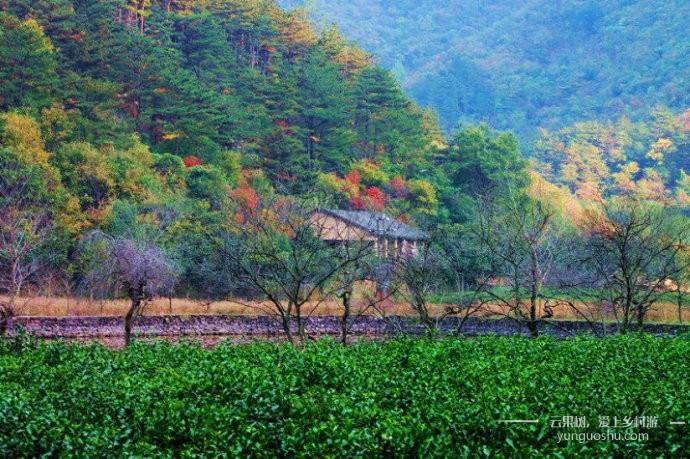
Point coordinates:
pixel 183 326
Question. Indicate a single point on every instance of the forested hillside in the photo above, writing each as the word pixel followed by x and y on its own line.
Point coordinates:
pixel 170 122
pixel 596 160
pixel 194 78
pixel 526 64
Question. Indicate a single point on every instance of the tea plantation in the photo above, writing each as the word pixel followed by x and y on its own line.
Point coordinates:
pixel 402 397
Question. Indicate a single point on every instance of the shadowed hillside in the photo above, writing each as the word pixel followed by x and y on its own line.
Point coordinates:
pixel 525 64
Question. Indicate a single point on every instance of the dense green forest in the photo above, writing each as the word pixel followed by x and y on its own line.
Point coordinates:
pixel 525 64
pixel 166 120
pixel 172 120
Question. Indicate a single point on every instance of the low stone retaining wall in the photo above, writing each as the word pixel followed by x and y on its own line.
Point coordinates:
pixel 262 326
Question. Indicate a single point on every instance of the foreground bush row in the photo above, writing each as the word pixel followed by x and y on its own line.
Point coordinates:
pixel 402 397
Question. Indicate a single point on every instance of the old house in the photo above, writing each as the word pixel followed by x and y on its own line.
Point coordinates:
pixel 390 238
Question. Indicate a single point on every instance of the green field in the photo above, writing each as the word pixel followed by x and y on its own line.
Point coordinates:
pixel 401 397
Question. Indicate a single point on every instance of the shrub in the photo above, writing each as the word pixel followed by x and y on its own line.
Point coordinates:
pixel 403 398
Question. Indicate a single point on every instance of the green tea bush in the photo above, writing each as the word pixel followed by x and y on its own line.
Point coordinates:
pixel 403 397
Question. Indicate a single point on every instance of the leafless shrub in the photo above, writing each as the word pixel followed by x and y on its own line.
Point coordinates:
pixel 138 269
pixel 24 228
pixel 634 250
pixel 285 252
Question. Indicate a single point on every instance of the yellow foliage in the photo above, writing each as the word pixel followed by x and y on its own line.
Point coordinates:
pixel 683 189
pixel 23 134
pixel 661 146
pixel 46 44
pixel 71 216
pixel 139 152
pixel 631 168
pixel 652 186
pixel 569 173
pixel 556 197
pixel 370 172
pixel 424 195
pixel 624 179
pixel 624 182
pixel 297 30
pixel 589 191
pixel 56 123
pixel 172 135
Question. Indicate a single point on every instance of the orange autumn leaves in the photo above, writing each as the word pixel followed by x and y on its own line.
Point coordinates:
pixel 367 186
pixel 362 197
pixel 244 196
pixel 191 161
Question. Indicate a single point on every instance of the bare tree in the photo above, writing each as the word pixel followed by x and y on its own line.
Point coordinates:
pixel 435 268
pixel 679 280
pixel 355 305
pixel 22 233
pixel 518 237
pixel 679 287
pixel 468 274
pixel 635 249
pixel 419 277
pixel 573 282
pixel 24 227
pixel 287 254
pixel 140 270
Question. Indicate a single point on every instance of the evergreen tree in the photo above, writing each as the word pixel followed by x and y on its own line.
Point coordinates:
pixel 27 64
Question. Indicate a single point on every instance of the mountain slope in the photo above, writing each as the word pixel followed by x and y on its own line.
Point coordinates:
pixel 199 78
pixel 526 64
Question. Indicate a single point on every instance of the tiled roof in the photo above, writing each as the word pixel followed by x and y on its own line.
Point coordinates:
pixel 379 224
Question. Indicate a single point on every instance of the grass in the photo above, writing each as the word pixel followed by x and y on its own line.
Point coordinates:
pixel 73 306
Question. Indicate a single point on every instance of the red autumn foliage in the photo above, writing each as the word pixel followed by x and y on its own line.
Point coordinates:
pixel 376 198
pixel 132 107
pixel 357 203
pixel 354 178
pixel 399 187
pixel 285 176
pixel 246 197
pixel 191 161
pixel 404 218
pixel 282 123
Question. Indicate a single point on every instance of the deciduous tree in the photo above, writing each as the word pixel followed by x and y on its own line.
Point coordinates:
pixel 284 254
pixel 635 249
pixel 138 269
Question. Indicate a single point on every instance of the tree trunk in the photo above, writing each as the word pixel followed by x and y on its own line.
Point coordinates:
pixel 627 307
pixel 5 316
pixel 423 312
pixel 286 328
pixel 129 318
pixel 679 303
pixel 429 323
pixel 300 327
pixel 347 307
pixel 640 317
pixel 6 313
pixel 534 294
